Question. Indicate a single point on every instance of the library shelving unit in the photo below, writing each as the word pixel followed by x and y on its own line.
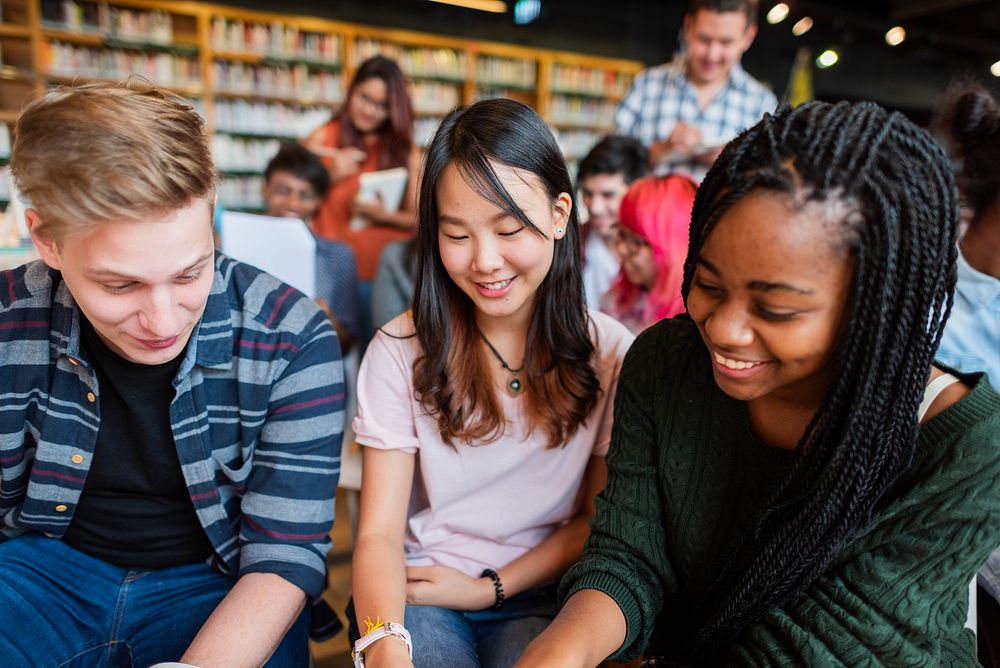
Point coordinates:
pixel 583 93
pixel 437 67
pixel 272 78
pixel 18 80
pixel 259 78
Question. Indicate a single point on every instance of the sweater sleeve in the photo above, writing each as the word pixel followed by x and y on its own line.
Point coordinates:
pixel 900 591
pixel 625 555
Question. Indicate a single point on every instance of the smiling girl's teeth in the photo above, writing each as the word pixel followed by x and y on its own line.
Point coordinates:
pixel 735 364
pixel 499 285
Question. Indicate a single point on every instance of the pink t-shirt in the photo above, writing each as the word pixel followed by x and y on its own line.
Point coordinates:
pixel 480 507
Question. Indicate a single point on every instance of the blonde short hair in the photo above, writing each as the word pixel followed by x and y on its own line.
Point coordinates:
pixel 90 154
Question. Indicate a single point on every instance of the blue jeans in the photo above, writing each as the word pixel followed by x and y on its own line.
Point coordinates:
pixel 479 639
pixel 61 607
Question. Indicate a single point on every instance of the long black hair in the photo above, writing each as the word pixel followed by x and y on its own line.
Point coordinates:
pixel 562 386
pixel 397 130
pixel 971 124
pixel 864 434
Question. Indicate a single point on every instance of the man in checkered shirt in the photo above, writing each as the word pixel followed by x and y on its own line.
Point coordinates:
pixel 685 110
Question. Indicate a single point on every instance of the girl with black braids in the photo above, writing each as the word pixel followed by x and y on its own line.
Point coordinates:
pixel 788 484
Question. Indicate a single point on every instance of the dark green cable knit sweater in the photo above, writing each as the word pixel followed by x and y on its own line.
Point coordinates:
pixel 685 473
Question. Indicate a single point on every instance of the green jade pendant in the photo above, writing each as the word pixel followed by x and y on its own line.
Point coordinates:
pixel 514 385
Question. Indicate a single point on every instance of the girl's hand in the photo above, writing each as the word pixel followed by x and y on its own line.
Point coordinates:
pixel 345 162
pixel 374 212
pixel 446 587
pixel 388 652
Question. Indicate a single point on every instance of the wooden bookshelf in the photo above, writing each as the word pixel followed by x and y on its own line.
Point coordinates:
pixel 259 77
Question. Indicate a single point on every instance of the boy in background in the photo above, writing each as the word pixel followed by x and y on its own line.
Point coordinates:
pixel 603 177
pixel 295 184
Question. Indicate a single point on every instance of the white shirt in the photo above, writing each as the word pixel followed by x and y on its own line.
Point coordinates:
pixel 600 266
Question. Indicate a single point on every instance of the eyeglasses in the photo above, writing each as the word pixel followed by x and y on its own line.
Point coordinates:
pixel 626 242
pixel 380 107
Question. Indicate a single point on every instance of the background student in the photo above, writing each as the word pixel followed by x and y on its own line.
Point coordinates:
pixel 295 183
pixel 485 413
pixel 171 419
pixel 392 291
pixel 681 109
pixel 651 239
pixel 603 178
pixel 971 341
pixel 372 131
pixel 815 490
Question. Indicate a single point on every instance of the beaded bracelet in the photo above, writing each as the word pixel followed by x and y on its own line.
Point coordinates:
pixel 492 574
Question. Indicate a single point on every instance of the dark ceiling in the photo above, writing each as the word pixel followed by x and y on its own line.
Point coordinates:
pixel 946 39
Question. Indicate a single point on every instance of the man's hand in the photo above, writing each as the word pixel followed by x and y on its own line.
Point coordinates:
pixel 683 138
pixel 446 587
pixel 709 156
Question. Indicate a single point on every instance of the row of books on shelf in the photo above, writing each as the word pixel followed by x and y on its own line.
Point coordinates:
pixel 70 60
pixel 496 71
pixel 423 131
pixel 241 192
pixel 240 189
pixel 576 143
pixel 149 26
pixel 275 39
pixel 5 184
pixel 288 81
pixel 415 61
pixel 269 119
pixel 242 155
pixel 589 81
pixel 4 142
pixel 434 97
pixel 580 111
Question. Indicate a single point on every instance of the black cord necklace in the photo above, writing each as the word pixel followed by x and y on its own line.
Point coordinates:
pixel 514 385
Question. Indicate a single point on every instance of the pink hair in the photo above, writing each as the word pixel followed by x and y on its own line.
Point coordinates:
pixel 658 209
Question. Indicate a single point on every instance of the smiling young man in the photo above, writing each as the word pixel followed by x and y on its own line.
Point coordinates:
pixel 685 109
pixel 170 420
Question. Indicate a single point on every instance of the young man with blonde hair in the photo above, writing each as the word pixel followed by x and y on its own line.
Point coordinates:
pixel 170 419
pixel 683 110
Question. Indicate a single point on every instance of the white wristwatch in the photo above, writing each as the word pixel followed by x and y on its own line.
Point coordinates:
pixel 376 634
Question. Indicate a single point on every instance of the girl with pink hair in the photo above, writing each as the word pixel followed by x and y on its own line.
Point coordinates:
pixel 651 239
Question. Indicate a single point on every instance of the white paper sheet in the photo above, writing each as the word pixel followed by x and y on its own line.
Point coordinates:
pixel 387 185
pixel 283 247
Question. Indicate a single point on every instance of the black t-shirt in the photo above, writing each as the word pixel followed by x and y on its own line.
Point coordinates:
pixel 135 510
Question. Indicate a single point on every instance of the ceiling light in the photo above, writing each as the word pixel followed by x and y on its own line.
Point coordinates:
pixel 778 13
pixel 995 69
pixel 526 11
pixel 802 26
pixel 827 59
pixel 895 36
pixel 495 6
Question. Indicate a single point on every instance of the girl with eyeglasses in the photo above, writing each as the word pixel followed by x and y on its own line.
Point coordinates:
pixel 651 240
pixel 373 130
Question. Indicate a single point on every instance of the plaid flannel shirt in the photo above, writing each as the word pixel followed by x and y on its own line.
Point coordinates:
pixel 257 418
pixel 662 96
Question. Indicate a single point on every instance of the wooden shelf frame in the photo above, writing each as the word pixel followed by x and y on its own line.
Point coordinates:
pixel 29 39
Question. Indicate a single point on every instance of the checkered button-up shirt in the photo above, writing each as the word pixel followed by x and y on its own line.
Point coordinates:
pixel 662 96
pixel 257 418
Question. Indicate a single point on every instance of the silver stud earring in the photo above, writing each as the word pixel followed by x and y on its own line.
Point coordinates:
pixel 559 231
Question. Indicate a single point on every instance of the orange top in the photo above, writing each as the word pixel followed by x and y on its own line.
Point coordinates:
pixel 333 220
